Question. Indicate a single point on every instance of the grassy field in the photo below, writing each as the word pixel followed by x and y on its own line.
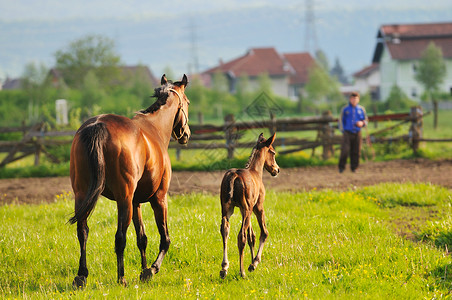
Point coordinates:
pixel 322 244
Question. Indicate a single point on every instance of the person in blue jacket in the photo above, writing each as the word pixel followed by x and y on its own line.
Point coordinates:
pixel 353 117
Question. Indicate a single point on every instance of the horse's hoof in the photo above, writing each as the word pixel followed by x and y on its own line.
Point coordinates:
pixel 147 274
pixel 122 281
pixel 79 282
pixel 251 268
pixel 243 275
pixel 223 274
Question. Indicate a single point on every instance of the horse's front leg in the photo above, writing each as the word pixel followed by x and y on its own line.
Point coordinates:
pixel 124 219
pixel 142 239
pixel 160 207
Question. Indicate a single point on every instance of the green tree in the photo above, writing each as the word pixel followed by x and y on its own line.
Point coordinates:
pixel 94 53
pixel 92 95
pixel 197 94
pixel 322 60
pixel 36 88
pixel 430 73
pixel 398 100
pixel 265 84
pixel 321 88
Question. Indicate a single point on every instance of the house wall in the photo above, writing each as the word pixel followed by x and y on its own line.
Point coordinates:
pixel 403 74
pixel 388 72
pixel 280 85
pixel 364 84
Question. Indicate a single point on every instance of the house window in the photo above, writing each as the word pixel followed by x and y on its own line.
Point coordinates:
pixel 413 92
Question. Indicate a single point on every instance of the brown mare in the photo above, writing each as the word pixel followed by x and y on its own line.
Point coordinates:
pixel 126 160
pixel 244 188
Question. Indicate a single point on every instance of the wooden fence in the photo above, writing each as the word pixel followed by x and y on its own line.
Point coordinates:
pixel 229 136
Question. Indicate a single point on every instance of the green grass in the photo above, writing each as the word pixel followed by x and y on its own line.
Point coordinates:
pixel 322 244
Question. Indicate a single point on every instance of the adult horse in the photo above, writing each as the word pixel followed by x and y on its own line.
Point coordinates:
pixel 126 160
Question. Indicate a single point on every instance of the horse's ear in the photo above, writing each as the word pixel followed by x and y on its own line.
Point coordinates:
pixel 184 81
pixel 163 81
pixel 261 138
pixel 270 140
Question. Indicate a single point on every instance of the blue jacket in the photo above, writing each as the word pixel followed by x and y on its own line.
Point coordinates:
pixel 349 116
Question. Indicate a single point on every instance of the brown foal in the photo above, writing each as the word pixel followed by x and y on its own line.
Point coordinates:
pixel 243 188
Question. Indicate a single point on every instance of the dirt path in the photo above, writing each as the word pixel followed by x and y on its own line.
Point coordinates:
pixel 35 190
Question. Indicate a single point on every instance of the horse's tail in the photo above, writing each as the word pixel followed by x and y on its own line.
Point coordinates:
pixel 230 179
pixel 93 138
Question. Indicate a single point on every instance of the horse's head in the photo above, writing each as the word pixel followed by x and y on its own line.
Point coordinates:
pixel 266 147
pixel 181 131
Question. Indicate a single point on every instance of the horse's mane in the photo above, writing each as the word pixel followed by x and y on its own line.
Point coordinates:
pixel 161 93
pixel 251 158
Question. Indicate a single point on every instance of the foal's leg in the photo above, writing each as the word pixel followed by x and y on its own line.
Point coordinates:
pixel 227 211
pixel 160 207
pixel 124 218
pixel 82 234
pixel 251 240
pixel 260 215
pixel 142 239
pixel 241 238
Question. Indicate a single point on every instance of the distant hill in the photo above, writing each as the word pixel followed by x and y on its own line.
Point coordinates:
pixel 162 42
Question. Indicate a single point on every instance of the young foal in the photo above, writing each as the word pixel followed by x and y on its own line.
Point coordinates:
pixel 244 188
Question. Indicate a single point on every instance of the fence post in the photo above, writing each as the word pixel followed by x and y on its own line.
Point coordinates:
pixel 272 126
pixel 415 132
pixel 229 130
pixel 326 135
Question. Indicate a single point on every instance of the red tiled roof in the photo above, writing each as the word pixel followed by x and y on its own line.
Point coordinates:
pixel 417 30
pixel 253 63
pixel 408 41
pixel 366 70
pixel 301 64
pixel 267 60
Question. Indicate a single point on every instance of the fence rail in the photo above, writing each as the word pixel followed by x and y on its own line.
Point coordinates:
pixel 229 136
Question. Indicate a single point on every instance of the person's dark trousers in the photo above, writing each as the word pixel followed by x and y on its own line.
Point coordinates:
pixel 351 145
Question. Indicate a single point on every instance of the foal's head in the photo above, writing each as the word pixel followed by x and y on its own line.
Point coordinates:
pixel 264 150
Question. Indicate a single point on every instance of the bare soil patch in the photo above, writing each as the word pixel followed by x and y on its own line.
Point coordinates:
pixel 37 190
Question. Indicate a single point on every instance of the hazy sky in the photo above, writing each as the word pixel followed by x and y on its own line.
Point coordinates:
pixel 32 30
pixel 13 10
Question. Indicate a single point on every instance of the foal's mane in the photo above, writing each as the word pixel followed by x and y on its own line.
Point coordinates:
pixel 252 158
pixel 161 93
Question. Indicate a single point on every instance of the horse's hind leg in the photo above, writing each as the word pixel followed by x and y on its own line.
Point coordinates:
pixel 227 211
pixel 263 237
pixel 124 219
pixel 251 240
pixel 160 207
pixel 142 239
pixel 242 238
pixel 82 234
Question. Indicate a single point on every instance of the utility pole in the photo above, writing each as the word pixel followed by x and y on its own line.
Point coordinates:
pixel 194 48
pixel 310 37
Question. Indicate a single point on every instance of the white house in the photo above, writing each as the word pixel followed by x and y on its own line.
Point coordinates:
pixel 399 49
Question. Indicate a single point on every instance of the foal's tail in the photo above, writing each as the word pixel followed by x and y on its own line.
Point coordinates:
pixel 93 138
pixel 229 186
